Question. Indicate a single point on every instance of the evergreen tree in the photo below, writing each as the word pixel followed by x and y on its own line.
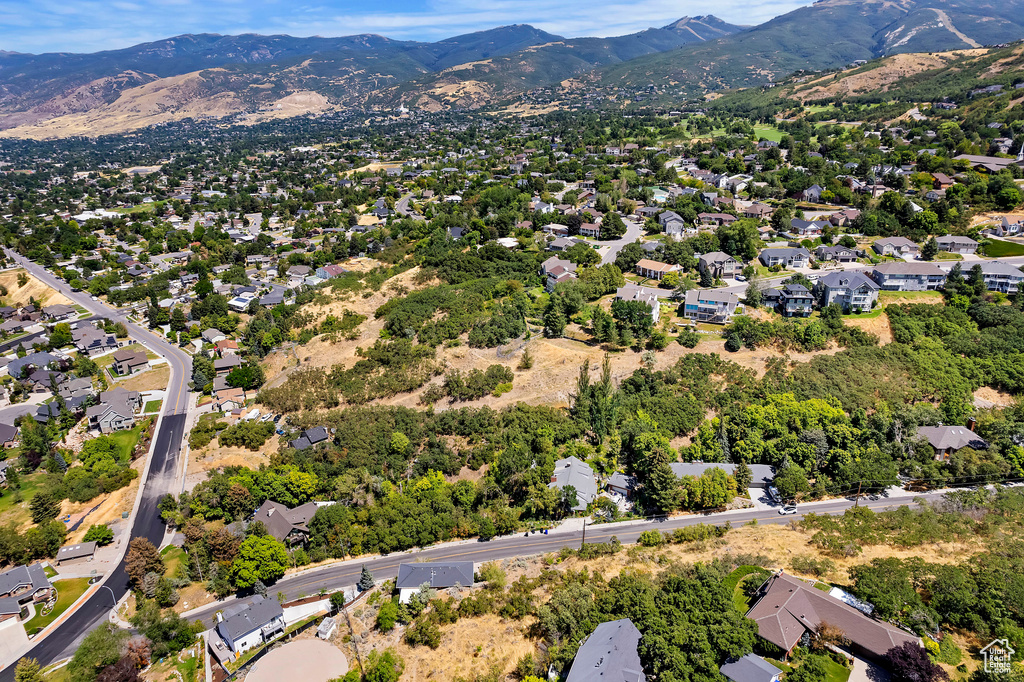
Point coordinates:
pixel 930 250
pixel 366 581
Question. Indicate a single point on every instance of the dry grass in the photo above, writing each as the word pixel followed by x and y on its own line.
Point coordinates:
pixel 111 508
pixel 213 456
pixel 19 296
pixel 155 379
pixel 879 326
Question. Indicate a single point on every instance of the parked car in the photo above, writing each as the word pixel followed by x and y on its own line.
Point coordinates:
pixel 741 278
pixel 787 510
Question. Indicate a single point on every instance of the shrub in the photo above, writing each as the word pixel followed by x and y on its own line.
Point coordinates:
pixel 688 338
pixel 101 534
pixel 386 616
pixel 651 538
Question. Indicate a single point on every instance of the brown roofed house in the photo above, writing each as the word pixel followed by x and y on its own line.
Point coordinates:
pixel 129 361
pixel 787 608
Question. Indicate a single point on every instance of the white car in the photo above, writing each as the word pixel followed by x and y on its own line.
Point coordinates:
pixel 787 510
pixel 741 278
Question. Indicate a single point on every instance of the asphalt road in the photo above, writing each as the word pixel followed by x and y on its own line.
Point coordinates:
pixel 338 576
pixel 402 208
pixel 161 478
pixel 610 250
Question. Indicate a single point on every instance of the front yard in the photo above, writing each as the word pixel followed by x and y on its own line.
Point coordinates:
pixel 68 592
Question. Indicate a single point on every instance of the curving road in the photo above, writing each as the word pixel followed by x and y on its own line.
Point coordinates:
pixel 610 250
pixel 337 576
pixel 402 208
pixel 159 478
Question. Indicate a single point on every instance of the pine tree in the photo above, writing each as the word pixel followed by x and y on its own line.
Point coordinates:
pixel 366 581
pixel 930 250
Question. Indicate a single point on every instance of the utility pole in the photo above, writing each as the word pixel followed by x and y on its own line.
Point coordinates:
pixel 856 503
pixel 584 541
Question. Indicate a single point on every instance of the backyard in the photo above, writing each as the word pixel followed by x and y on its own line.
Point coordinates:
pixel 997 248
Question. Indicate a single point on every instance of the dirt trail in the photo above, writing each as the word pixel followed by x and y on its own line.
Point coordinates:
pixel 944 18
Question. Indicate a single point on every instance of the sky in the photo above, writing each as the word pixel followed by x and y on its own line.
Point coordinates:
pixel 92 25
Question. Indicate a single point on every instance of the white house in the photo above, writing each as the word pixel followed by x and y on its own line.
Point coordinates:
pixel 439 576
pixel 250 625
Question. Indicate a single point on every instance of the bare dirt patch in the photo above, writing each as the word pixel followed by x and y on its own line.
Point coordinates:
pixel 879 326
pixel 18 296
pixel 986 397
pixel 213 456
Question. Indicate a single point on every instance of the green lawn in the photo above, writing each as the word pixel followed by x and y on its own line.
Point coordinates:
pixel 885 297
pixel 68 592
pixel 768 132
pixel 172 556
pixel 49 571
pixel 153 406
pixel 997 248
pixel 734 582
pixel 946 255
pixel 877 312
pixel 10 510
pixel 128 439
pixel 59 675
pixel 836 672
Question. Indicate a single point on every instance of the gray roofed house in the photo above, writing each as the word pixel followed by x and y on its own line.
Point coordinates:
pixel 242 629
pixel 575 472
pixel 621 483
pixel 92 341
pixel 788 608
pixel 851 290
pixel 895 246
pixel 610 653
pixel 284 524
pixel 719 264
pixel 8 435
pixel 438 575
pixel 59 312
pixel 750 668
pixel 948 439
pixel 635 292
pixel 226 364
pixel 25 583
pixel 797 257
pixel 1000 276
pixel 908 276
pixel 956 244
pixel 16 367
pixel 82 550
pixel 317 434
pixel 129 361
pixel 710 305
pixel 762 475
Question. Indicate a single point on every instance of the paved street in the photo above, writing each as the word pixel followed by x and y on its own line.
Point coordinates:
pixel 609 250
pixel 402 208
pixel 345 574
pixel 161 477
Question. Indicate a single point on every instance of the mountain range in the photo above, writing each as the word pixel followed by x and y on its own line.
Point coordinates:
pixel 260 77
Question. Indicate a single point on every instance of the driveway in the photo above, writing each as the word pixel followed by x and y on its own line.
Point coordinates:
pixel 867 672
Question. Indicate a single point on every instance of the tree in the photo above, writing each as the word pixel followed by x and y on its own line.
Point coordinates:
pixel 612 226
pixel 743 475
pixel 45 506
pixel 101 534
pixel 706 280
pixel 61 335
pixel 790 481
pixel 100 648
pixel 386 666
pixel 249 376
pixel 582 255
pixel 386 616
pixel 366 581
pixel 930 249
pixel 754 296
pixel 909 662
pixel 259 559
pixel 629 255
pixel 142 558
pixel 28 671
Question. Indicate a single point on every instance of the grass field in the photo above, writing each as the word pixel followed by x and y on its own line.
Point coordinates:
pixel 889 297
pixel 68 592
pixel 768 132
pixel 153 406
pixel 997 248
pixel 735 582
pixel 128 439
pixel 172 556
pixel 12 511
pixel 836 672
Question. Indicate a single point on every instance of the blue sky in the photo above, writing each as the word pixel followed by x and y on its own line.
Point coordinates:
pixel 92 25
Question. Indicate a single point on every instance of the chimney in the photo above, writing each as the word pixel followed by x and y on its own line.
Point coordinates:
pixel 971 423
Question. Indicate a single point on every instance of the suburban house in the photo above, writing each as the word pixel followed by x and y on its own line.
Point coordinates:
pixel 575 472
pixel 716 218
pixel 719 264
pixel 635 292
pixel 672 223
pixel 1012 225
pixel 1001 276
pixel 838 254
pixel 310 437
pixel 761 475
pixel 852 290
pixel 129 361
pixel 895 246
pixel 439 576
pixel 75 388
pixel 23 584
pixel 792 257
pixel 621 484
pixel 115 411
pixel 590 230
pixel 243 627
pixel 758 211
pixel 91 341
pixel 942 181
pixel 955 244
pixel 808 228
pixel 609 653
pixel 59 312
pixel 750 668
pixel 8 437
pixel 787 609
pixel 845 217
pixel 330 271
pixel 286 525
pixel 908 276
pixel 710 305
pixel 223 366
pixel 556 270
pixel 563 243
pixel 948 439
pixel 795 300
pixel 653 269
